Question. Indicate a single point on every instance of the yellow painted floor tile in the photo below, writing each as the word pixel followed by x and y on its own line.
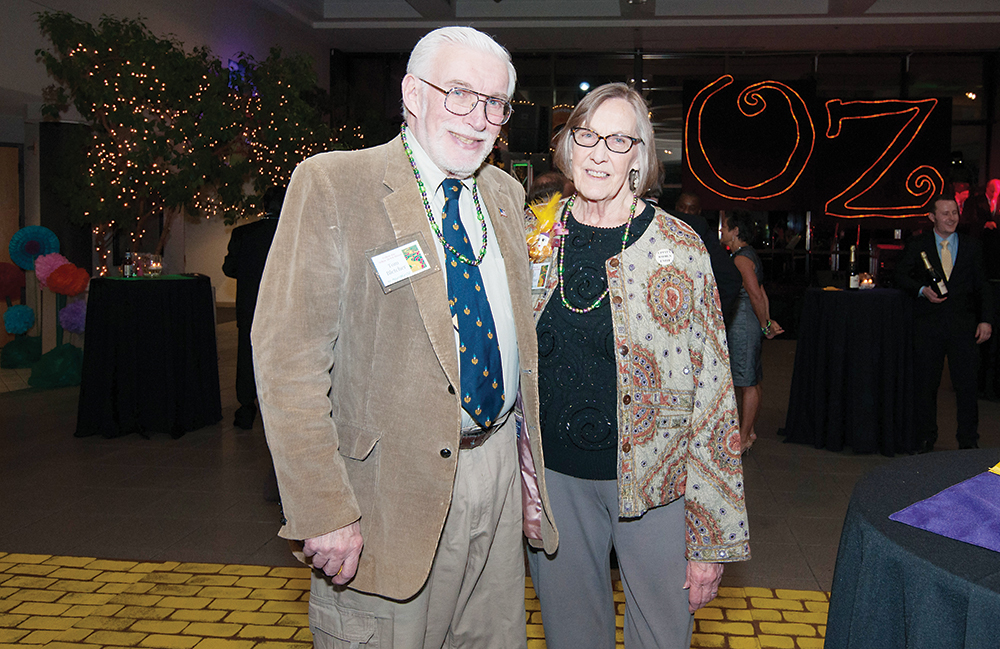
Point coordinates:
pixel 86 602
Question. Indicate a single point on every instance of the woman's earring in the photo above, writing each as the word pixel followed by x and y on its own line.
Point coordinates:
pixel 633 179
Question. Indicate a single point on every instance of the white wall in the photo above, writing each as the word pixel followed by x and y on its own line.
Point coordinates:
pixel 205 244
pixel 225 26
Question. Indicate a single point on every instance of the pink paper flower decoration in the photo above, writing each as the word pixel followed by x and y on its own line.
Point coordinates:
pixel 45 264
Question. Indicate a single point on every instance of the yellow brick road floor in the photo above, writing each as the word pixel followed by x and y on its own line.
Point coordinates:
pixel 67 602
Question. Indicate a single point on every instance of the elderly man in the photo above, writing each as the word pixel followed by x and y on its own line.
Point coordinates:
pixel 392 337
pixel 950 325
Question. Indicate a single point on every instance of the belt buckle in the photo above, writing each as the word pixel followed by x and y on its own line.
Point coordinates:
pixel 476 439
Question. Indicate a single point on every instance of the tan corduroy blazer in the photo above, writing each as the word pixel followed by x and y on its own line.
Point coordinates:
pixel 356 386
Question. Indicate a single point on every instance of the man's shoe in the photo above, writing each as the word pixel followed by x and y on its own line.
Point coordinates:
pixel 965 445
pixel 244 417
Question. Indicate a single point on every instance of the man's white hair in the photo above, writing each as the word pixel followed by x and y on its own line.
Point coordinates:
pixel 421 61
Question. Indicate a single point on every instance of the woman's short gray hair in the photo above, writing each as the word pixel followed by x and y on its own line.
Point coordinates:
pixel 646 154
pixel 422 57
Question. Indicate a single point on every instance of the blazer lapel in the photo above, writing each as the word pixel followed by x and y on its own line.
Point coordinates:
pixel 405 210
pixel 498 217
pixel 934 254
pixel 957 257
pixel 509 230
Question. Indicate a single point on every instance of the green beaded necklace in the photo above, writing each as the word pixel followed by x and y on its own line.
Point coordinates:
pixel 562 251
pixel 430 213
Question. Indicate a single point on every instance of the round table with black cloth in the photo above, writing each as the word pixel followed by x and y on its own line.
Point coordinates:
pixel 900 586
pixel 852 384
pixel 150 361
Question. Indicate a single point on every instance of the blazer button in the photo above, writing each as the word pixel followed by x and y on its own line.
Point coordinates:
pixel 616 300
pixel 626 447
pixel 627 399
pixel 451 389
pixel 624 350
pixel 613 263
pixel 446 452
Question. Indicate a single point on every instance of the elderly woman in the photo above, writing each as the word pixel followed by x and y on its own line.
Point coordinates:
pixel 750 321
pixel 639 424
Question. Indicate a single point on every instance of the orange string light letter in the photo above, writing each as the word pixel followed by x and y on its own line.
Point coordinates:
pixel 751 102
pixel 923 182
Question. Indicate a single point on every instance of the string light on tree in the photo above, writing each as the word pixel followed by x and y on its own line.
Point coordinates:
pixel 173 130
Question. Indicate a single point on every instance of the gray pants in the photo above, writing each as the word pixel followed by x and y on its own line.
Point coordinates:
pixel 574 584
pixel 474 596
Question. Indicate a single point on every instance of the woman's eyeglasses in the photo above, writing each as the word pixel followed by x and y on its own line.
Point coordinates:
pixel 616 142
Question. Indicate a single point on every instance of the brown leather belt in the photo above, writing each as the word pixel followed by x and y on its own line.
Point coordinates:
pixel 476 435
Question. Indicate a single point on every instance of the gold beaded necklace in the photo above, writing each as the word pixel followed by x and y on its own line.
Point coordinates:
pixel 562 251
pixel 430 213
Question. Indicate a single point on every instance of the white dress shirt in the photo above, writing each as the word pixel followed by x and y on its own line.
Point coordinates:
pixel 492 267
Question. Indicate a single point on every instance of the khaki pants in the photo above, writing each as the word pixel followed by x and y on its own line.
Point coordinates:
pixel 474 597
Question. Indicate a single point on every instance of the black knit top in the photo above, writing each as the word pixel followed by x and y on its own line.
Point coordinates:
pixel 576 360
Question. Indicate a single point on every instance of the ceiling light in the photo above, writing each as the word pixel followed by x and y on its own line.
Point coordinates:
pixel 584 86
pixel 971 95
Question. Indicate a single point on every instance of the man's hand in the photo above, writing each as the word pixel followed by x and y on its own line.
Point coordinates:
pixel 703 583
pixel 983 332
pixel 336 553
pixel 929 293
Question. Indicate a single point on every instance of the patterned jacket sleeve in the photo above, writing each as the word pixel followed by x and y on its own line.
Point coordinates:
pixel 717 529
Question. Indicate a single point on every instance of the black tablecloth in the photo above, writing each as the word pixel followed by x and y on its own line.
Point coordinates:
pixel 853 379
pixel 899 586
pixel 149 361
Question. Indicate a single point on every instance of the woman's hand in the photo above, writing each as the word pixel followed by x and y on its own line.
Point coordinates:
pixel 772 329
pixel 702 583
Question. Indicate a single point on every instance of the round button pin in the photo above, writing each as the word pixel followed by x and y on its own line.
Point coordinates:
pixel 664 256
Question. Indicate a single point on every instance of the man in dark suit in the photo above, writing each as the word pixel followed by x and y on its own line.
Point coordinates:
pixel 949 326
pixel 727 276
pixel 248 248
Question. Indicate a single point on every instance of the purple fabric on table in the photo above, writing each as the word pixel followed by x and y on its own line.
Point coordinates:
pixel 968 511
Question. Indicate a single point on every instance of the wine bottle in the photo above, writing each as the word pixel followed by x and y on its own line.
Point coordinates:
pixel 854 280
pixel 937 282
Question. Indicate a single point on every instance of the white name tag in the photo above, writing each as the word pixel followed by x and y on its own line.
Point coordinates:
pixel 395 266
pixel 538 274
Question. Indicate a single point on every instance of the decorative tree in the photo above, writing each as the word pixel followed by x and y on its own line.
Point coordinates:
pixel 175 131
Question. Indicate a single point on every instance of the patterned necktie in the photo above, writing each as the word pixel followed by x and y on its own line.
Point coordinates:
pixel 946 263
pixel 479 352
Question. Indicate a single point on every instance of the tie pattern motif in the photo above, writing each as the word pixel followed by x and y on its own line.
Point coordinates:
pixel 479 350
pixel 946 261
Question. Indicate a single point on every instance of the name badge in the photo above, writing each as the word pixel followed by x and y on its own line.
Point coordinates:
pixel 538 274
pixel 664 256
pixel 397 264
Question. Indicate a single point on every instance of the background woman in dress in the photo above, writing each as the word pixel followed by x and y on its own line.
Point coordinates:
pixel 750 322
pixel 639 424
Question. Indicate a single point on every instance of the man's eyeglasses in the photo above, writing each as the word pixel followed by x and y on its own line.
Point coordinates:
pixel 462 101
pixel 616 142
